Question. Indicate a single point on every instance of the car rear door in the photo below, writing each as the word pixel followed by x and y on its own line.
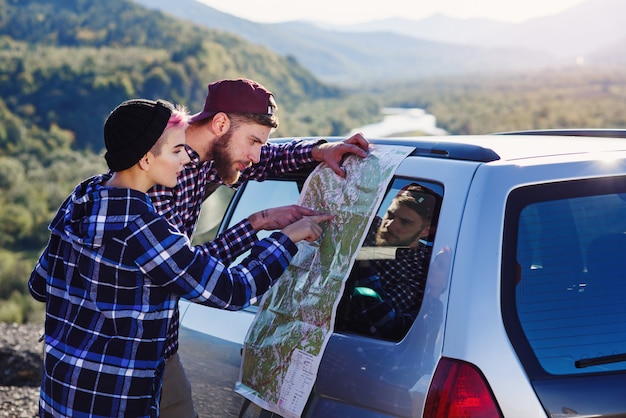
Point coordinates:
pixel 525 307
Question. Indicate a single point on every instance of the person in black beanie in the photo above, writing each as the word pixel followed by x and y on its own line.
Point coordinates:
pixel 114 269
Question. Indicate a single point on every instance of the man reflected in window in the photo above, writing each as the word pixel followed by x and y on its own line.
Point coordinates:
pixel 390 273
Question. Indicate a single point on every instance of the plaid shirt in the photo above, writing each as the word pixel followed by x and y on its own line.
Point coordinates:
pixel 400 283
pixel 181 205
pixel 111 277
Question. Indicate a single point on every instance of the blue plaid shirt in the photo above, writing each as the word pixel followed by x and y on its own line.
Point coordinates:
pixel 181 205
pixel 111 276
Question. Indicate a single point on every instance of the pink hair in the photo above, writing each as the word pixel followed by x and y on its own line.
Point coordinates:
pixel 179 118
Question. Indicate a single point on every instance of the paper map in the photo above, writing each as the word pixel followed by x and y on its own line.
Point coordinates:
pixel 285 343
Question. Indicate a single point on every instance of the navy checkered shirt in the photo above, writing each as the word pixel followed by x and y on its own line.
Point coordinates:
pixel 111 276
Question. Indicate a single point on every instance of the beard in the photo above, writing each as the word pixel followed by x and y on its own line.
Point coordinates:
pixel 383 240
pixel 222 159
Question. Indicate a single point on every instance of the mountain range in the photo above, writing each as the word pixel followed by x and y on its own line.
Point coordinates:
pixel 593 32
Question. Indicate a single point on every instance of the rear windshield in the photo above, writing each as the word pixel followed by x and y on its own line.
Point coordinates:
pixel 564 271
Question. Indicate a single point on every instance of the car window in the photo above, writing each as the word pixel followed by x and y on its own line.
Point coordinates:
pixel 570 276
pixel 385 290
pixel 254 197
pixel 213 211
pixel 263 195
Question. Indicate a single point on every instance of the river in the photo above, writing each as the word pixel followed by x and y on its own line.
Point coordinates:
pixel 402 121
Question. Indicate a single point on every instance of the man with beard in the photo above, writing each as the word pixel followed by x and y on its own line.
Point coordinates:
pixel 227 144
pixel 388 291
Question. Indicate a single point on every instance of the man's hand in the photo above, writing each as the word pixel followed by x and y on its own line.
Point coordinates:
pixel 280 217
pixel 307 228
pixel 333 153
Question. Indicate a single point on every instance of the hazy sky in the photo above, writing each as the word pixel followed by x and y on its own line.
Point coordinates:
pixel 358 11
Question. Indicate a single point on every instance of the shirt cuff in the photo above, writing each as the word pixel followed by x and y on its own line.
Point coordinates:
pixel 307 150
pixel 245 229
pixel 285 241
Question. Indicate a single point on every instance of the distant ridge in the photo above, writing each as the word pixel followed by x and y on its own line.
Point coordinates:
pixel 398 49
pixel 349 57
pixel 437 28
pixel 583 29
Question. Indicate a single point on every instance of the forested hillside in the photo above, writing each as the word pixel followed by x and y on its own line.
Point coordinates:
pixel 69 62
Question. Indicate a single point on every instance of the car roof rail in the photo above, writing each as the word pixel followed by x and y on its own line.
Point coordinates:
pixel 604 133
pixel 425 147
pixel 455 151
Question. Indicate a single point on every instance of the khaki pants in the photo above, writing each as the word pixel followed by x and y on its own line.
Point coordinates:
pixel 176 401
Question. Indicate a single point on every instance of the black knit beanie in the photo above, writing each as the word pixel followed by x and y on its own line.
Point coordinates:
pixel 132 129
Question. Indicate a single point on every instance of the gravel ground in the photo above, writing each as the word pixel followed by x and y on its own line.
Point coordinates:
pixel 21 361
pixel 211 373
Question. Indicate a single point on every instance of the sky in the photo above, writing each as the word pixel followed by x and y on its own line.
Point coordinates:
pixel 359 11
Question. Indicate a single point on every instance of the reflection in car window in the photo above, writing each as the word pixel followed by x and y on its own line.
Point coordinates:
pixel 385 290
pixel 571 276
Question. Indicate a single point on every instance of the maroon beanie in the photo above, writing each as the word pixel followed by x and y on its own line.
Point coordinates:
pixel 236 96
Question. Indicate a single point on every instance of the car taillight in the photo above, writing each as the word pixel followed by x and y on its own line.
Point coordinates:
pixel 459 389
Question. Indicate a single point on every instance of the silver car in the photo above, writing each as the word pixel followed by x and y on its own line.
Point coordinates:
pixel 524 302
